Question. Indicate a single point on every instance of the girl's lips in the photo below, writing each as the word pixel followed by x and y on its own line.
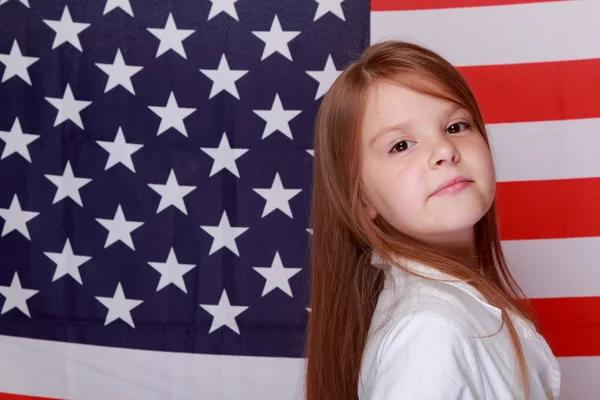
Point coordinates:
pixel 453 189
pixel 452 186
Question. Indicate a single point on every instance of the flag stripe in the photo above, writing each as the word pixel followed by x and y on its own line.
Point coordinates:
pixel 548 268
pixel 570 325
pixel 397 5
pixel 69 370
pixel 10 396
pixel 97 372
pixel 549 209
pixel 580 378
pixel 525 33
pixel 546 150
pixel 536 91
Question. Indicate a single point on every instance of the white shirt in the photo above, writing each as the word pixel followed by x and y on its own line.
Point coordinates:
pixel 422 344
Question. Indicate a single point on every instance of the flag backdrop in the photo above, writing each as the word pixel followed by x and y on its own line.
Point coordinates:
pixel 156 176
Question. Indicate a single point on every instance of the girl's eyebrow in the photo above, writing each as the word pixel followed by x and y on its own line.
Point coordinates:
pixel 461 109
pixel 454 108
pixel 384 131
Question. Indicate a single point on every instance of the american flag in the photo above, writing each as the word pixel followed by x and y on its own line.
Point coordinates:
pixel 156 176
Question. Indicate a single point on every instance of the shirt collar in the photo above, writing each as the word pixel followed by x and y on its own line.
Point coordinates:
pixel 422 269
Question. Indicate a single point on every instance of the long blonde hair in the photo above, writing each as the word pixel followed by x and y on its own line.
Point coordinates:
pixel 344 287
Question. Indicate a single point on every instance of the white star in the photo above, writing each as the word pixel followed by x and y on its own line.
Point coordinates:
pixel 67 185
pixel 119 151
pixel 332 6
pixel 119 228
pixel 16 141
pixel 25 2
pixel 311 152
pixel 325 77
pixel 277 276
pixel 219 6
pixel 277 118
pixel 171 38
pixel 15 218
pixel 66 30
pixel 119 306
pixel 224 156
pixel 277 197
pixel 224 235
pixel 276 40
pixel 172 116
pixel 224 314
pixel 67 263
pixel 171 271
pixel 16 64
pixel 171 193
pixel 16 296
pixel 68 107
pixel 309 230
pixel 224 78
pixel 124 5
pixel 119 73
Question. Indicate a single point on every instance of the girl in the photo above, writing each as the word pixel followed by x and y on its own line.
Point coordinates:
pixel 411 294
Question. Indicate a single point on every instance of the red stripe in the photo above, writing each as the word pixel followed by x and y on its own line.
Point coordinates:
pixel 536 91
pixel 570 325
pixel 8 396
pixel 403 5
pixel 549 209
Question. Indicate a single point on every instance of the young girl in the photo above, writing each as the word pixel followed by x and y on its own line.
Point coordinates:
pixel 411 294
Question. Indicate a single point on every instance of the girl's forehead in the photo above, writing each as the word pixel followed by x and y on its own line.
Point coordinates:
pixel 397 102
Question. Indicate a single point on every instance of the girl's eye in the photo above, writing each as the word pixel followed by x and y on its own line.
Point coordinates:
pixel 401 146
pixel 456 127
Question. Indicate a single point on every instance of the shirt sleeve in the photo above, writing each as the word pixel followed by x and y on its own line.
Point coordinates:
pixel 428 356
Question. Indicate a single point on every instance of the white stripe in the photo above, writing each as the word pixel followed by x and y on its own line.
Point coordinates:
pixel 60 370
pixel 74 371
pixel 524 33
pixel 555 267
pixel 546 150
pixel 580 378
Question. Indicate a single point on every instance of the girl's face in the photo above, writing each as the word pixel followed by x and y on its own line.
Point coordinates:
pixel 413 145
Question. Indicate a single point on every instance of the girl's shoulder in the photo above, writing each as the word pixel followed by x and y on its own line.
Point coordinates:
pixel 449 325
pixel 421 344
